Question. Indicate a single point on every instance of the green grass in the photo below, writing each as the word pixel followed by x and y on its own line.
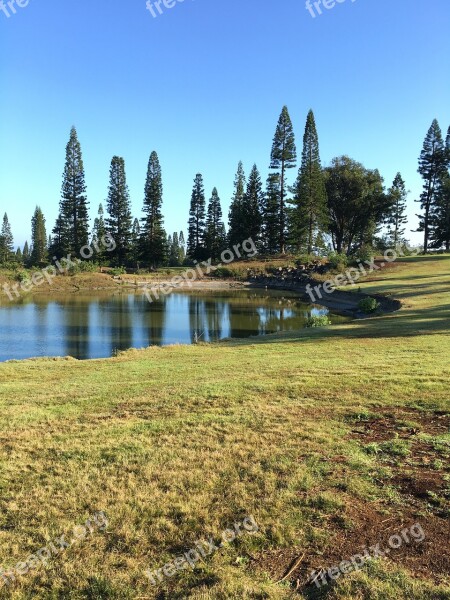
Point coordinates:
pixel 176 444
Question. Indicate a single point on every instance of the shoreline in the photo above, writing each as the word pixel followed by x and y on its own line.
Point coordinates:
pixel 340 301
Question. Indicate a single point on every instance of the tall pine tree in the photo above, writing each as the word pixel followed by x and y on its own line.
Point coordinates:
pixel 215 240
pixel 6 241
pixel 60 240
pixel 253 207
pixel 182 245
pixel 271 216
pixel 397 195
pixel 73 205
pixel 236 226
pixel 38 255
pixel 26 253
pixel 433 168
pixel 153 236
pixel 98 235
pixel 309 215
pixel 135 251
pixel 119 222
pixel 283 157
pixel 196 249
pixel 440 218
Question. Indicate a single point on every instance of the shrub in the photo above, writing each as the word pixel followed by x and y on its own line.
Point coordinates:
pixel 118 271
pixel 368 305
pixel 337 261
pixel 304 259
pixel 364 254
pixel 317 321
pixel 223 272
pixel 21 276
pixel 88 266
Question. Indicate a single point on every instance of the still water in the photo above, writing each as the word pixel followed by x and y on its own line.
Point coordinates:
pixel 97 324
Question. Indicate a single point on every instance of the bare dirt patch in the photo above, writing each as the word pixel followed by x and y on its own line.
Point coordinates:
pixel 422 484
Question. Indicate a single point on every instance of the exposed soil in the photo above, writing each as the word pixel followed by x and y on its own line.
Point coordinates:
pixel 425 499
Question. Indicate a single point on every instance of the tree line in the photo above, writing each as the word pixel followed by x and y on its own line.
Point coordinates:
pixel 343 206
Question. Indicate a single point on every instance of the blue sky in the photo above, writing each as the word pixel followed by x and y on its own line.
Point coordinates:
pixel 203 85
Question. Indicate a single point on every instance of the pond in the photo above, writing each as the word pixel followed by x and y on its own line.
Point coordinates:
pixel 98 324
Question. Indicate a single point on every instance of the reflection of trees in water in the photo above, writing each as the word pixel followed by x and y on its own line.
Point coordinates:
pixel 118 312
pixel 96 326
pixel 76 326
pixel 245 319
pixel 154 317
pixel 198 325
pixel 215 311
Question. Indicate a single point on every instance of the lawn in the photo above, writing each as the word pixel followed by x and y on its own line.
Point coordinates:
pixel 331 439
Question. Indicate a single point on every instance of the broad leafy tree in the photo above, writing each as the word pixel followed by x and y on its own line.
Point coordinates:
pixel 283 157
pixel 356 202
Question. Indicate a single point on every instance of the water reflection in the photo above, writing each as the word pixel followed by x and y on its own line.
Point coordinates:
pixel 100 324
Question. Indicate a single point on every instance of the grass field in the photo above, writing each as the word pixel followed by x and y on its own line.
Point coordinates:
pixel 332 439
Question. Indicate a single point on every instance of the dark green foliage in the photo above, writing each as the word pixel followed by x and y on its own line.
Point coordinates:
pixel 440 217
pixel 153 236
pixel 356 204
pixel 135 243
pixel 283 157
pixel 271 216
pixel 397 208
pixel 368 305
pixel 60 239
pixel 118 224
pixel 253 207
pixel 73 205
pixel 317 321
pixel 433 164
pixel 98 234
pixel 19 256
pixel 236 220
pixel 25 253
pixel 38 254
pixel 337 261
pixel 196 249
pixel 215 238
pixel 7 252
pixel 309 216
pixel 176 250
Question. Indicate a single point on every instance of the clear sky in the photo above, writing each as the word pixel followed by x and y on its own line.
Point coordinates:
pixel 203 84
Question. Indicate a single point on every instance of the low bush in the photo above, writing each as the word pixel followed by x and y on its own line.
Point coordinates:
pixel 337 261
pixel 317 321
pixel 21 276
pixel 223 273
pixel 116 271
pixel 364 254
pixel 304 259
pixel 368 305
